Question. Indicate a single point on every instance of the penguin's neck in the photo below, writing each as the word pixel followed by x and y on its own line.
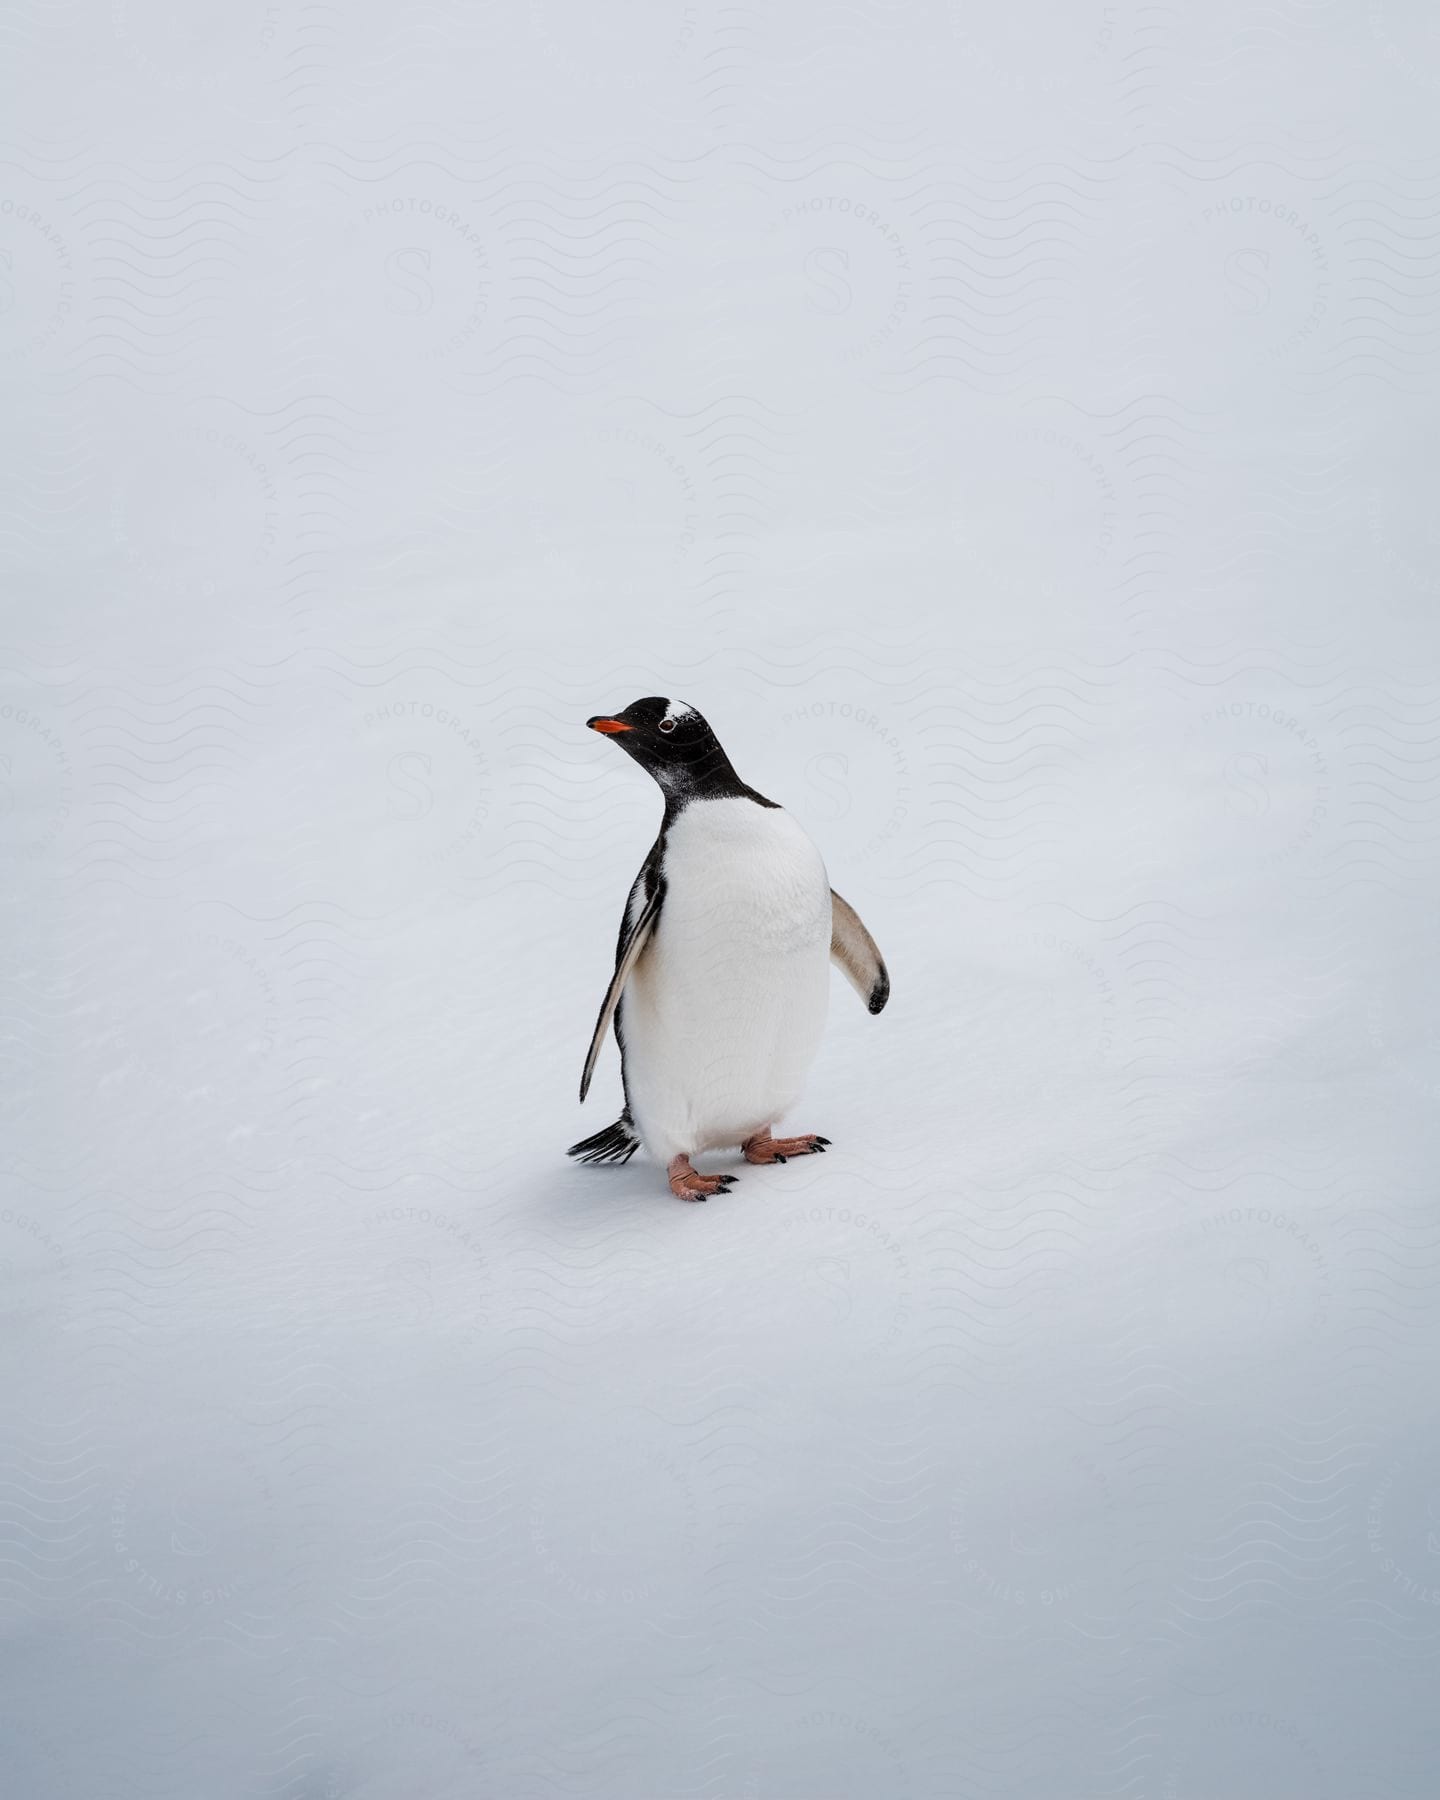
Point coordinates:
pixel 716 781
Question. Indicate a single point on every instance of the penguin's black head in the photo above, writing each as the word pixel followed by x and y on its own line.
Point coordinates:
pixel 674 744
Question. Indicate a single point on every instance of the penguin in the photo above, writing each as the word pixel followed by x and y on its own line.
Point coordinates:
pixel 722 966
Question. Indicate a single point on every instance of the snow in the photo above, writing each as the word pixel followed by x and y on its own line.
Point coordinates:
pixel 1014 434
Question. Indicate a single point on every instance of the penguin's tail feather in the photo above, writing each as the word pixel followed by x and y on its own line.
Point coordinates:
pixel 616 1143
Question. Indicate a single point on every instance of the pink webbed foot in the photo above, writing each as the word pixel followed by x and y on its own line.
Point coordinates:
pixel 685 1184
pixel 762 1148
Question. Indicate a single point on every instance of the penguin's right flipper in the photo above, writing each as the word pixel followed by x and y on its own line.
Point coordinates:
pixel 633 940
pixel 856 954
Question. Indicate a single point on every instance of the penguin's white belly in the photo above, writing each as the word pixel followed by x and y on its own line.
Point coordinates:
pixel 724 1012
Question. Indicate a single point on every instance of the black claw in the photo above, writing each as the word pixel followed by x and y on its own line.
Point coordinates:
pixel 777 1157
pixel 822 1141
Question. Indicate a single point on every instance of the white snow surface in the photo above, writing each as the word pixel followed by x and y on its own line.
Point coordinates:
pixel 1013 428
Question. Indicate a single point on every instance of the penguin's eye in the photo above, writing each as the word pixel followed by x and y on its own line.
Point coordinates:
pixel 667 724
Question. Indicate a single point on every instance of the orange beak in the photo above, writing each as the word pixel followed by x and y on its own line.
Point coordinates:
pixel 609 726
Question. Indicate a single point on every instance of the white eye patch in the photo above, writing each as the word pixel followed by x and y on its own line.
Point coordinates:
pixel 677 709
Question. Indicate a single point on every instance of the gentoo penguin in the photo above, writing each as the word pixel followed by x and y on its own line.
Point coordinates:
pixel 722 967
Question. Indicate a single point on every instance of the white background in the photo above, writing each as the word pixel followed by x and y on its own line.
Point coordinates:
pixel 1014 428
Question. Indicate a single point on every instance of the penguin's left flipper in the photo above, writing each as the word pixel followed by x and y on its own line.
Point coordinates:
pixel 856 954
pixel 632 942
